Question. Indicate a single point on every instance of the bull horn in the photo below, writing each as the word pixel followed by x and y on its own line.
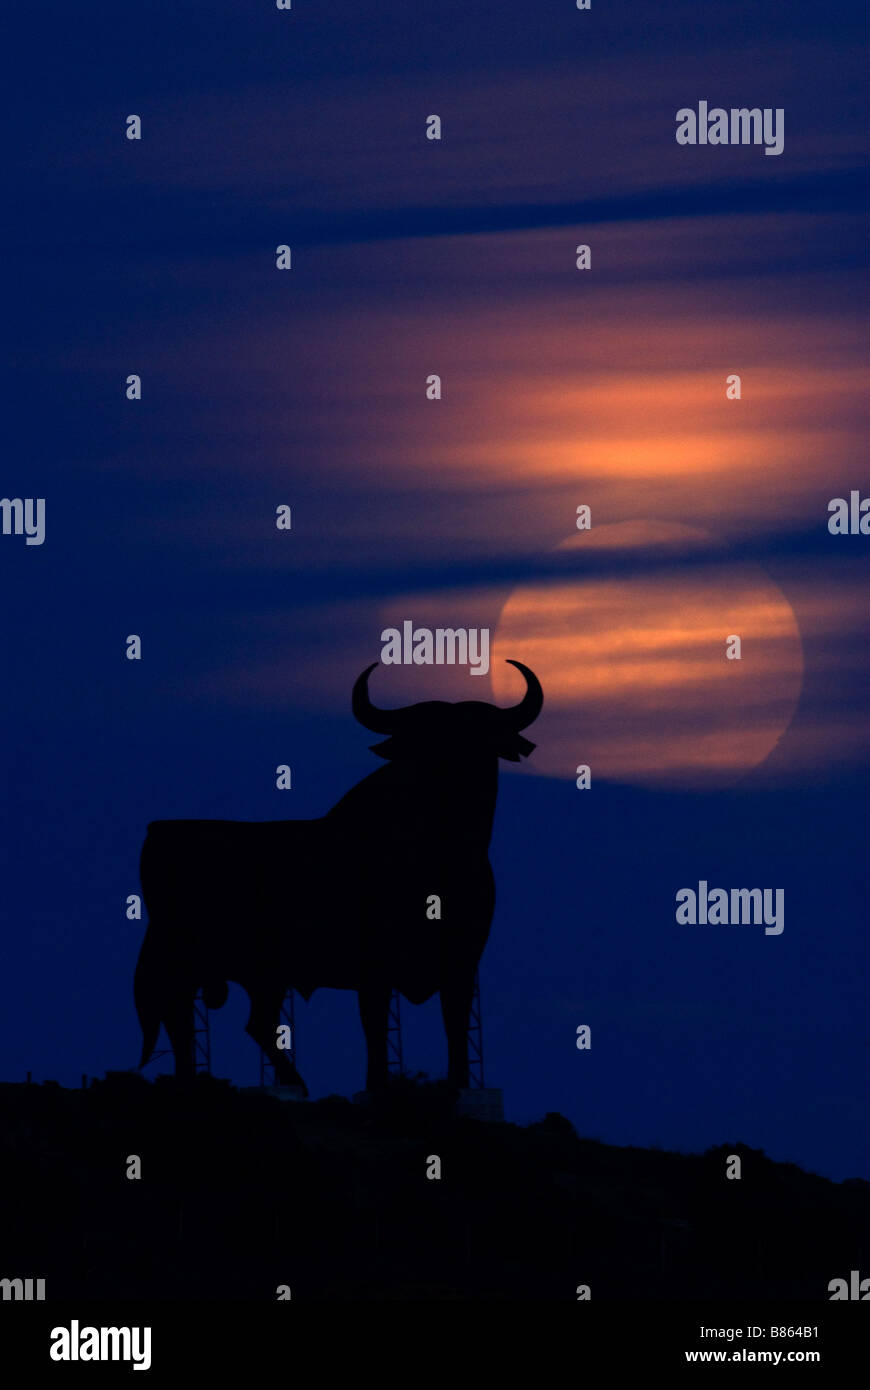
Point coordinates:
pixel 526 712
pixel 380 721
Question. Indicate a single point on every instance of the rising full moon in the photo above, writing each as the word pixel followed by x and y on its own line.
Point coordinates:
pixel 630 637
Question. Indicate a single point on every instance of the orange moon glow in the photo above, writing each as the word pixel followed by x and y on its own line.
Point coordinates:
pixel 629 644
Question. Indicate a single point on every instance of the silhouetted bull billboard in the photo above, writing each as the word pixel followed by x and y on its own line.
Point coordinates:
pixel 391 889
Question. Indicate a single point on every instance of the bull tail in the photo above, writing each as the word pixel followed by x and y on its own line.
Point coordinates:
pixel 163 981
pixel 147 992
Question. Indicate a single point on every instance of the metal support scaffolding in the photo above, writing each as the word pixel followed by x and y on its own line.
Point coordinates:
pixel 201 1037
pixel 395 1064
pixel 288 1018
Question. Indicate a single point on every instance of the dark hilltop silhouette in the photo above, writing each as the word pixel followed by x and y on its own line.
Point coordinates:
pixel 241 1193
pixel 339 902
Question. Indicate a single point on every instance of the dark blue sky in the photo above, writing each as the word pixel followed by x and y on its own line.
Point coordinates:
pixel 262 127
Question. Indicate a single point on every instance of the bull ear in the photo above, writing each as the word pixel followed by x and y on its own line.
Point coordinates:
pixel 530 706
pixel 390 748
pixel 515 748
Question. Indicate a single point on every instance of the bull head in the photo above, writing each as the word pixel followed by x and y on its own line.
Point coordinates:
pixel 467 727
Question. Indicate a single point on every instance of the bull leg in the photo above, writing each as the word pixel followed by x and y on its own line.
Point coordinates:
pixel 262 1026
pixel 374 1011
pixel 178 1022
pixel 456 996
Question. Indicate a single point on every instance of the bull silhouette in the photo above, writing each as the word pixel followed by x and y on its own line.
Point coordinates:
pixel 339 902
